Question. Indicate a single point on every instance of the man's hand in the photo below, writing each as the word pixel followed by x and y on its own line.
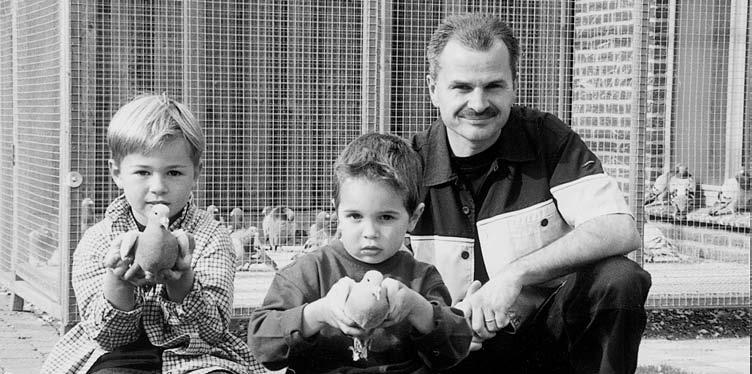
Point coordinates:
pixel 467 310
pixel 486 307
pixel 330 310
pixel 405 303
pixel 492 302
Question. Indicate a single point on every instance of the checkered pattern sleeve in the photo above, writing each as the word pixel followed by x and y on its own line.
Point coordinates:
pixel 195 332
pixel 104 324
pixel 204 313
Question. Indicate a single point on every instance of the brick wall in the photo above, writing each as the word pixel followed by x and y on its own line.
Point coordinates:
pixel 603 82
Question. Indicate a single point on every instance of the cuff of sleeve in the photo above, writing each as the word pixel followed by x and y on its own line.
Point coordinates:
pixel 126 320
pixel 448 342
pixel 433 339
pixel 177 313
pixel 589 197
pixel 292 328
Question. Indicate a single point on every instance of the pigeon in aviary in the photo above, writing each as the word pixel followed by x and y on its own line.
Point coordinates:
pixel 322 231
pixel 278 225
pixel 735 195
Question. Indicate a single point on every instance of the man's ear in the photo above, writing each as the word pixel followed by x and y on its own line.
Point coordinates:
pixel 414 217
pixel 431 83
pixel 115 172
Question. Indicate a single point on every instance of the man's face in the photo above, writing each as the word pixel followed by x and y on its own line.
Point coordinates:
pixel 474 92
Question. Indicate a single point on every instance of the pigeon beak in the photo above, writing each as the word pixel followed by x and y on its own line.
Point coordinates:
pixel 165 222
pixel 377 292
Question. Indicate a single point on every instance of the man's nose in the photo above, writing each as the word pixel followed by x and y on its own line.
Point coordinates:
pixel 477 100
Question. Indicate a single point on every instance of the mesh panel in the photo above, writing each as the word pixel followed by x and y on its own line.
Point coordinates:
pixel 698 166
pixel 281 87
pixel 544 75
pixel 37 143
pixel 6 141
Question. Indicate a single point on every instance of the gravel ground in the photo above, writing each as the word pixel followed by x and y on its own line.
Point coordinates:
pixel 678 324
pixel 671 324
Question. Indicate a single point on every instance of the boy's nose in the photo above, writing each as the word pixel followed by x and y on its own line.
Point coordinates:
pixel 158 185
pixel 369 230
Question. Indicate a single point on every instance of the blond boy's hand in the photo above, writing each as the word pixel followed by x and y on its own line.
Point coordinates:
pixel 405 303
pixel 121 277
pixel 119 259
pixel 330 310
pixel 186 246
pixel 179 279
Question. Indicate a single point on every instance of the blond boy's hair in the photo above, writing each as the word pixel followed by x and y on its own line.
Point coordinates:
pixel 148 122
pixel 385 158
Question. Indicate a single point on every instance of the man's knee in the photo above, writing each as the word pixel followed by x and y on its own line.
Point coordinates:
pixel 619 282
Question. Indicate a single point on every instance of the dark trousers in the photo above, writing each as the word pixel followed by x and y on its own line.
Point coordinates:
pixel 593 324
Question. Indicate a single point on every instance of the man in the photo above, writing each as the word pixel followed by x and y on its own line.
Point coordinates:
pixel 517 203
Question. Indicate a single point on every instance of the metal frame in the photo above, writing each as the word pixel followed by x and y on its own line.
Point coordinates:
pixel 67 179
pixel 737 73
pixel 375 115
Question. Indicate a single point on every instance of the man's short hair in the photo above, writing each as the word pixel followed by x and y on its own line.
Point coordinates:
pixel 148 122
pixel 475 31
pixel 381 157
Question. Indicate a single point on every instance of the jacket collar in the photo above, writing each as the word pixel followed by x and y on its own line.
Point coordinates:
pixel 513 146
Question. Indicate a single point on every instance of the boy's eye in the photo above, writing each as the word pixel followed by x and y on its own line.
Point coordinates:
pixel 175 173
pixel 354 216
pixel 387 217
pixel 141 172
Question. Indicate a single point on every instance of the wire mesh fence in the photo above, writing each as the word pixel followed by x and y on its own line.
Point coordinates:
pixel 659 90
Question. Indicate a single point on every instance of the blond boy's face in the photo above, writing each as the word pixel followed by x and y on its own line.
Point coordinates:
pixel 164 176
pixel 373 219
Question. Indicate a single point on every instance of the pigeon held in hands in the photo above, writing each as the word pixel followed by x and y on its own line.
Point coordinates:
pixel 156 247
pixel 368 306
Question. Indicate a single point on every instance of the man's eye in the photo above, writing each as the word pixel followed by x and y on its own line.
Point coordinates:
pixel 174 173
pixel 141 172
pixel 498 86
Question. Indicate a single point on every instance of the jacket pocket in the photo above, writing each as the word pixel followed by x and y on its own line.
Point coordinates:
pixel 509 236
pixel 452 256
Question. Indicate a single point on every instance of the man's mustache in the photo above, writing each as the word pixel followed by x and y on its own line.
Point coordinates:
pixel 472 114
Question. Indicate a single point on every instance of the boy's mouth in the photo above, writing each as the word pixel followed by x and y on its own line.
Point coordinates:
pixel 157 202
pixel 370 250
